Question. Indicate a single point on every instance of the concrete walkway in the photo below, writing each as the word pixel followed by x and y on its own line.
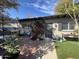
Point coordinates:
pixel 51 55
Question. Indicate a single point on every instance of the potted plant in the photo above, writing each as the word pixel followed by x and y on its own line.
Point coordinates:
pixel 11 48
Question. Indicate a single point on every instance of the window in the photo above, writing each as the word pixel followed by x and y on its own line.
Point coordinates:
pixel 64 26
pixel 67 26
pixel 71 26
pixel 49 26
pixel 48 32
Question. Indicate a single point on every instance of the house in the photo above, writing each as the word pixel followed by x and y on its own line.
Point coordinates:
pixel 58 25
pixel 8 28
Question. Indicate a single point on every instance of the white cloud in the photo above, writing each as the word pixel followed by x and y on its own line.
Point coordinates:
pixel 48 12
pixel 46 7
pixel 43 7
pixel 48 1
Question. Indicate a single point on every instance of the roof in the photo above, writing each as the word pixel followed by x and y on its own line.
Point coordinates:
pixel 45 17
pixel 8 21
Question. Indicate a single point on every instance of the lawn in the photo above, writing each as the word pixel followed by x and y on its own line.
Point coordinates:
pixel 68 49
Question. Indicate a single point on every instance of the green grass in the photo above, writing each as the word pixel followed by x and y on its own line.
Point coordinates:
pixel 68 49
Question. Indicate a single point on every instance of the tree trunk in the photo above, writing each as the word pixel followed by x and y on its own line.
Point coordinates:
pixel 77 28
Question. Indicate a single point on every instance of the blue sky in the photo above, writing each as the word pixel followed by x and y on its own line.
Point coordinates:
pixel 33 8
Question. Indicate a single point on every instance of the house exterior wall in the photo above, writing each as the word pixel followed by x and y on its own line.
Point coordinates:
pixel 57 26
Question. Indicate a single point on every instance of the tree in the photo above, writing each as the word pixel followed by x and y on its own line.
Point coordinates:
pixel 7 4
pixel 66 6
pixel 38 29
pixel 71 8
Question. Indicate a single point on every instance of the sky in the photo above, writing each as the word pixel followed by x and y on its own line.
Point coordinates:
pixel 33 8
